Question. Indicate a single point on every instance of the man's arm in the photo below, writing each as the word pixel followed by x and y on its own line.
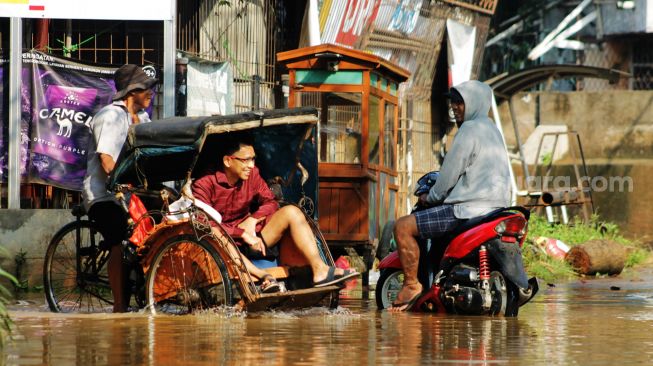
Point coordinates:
pixel 267 204
pixel 107 163
pixel 453 166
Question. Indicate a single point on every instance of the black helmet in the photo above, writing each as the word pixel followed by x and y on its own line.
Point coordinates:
pixel 425 183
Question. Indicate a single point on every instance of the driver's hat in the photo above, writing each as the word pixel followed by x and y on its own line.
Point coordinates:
pixel 131 77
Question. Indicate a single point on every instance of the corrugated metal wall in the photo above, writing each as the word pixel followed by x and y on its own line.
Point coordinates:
pixel 239 32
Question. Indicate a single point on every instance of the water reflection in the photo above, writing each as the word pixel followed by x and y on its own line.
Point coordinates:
pixel 577 324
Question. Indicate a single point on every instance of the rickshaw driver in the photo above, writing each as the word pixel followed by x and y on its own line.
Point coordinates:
pixel 109 130
pixel 251 215
pixel 474 180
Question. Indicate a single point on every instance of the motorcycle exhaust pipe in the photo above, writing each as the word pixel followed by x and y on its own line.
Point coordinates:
pixel 525 295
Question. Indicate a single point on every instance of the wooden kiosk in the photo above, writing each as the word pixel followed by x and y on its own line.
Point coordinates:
pixel 356 94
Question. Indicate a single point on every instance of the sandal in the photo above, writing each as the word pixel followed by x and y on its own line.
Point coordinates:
pixel 399 307
pixel 332 278
pixel 269 284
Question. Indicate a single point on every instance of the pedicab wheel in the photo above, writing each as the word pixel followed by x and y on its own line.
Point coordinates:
pixel 75 275
pixel 387 287
pixel 187 275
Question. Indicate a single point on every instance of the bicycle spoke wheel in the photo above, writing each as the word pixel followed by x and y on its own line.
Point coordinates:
pixel 66 288
pixel 186 276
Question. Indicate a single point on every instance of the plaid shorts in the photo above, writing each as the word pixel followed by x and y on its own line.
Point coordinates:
pixel 435 221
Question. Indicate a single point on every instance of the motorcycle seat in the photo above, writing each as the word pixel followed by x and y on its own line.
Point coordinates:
pixel 473 222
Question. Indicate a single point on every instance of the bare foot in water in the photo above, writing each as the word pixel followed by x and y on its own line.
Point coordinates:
pixel 406 297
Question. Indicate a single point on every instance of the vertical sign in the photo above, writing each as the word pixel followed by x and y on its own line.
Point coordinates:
pixel 4 126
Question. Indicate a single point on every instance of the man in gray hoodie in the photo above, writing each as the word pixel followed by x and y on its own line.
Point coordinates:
pixel 474 180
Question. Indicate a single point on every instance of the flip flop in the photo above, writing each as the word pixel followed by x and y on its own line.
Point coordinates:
pixel 269 284
pixel 408 304
pixel 332 278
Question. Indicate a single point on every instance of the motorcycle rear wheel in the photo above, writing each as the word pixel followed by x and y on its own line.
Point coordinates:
pixel 390 282
pixel 505 296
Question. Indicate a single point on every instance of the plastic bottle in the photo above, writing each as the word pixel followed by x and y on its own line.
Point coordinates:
pixel 553 247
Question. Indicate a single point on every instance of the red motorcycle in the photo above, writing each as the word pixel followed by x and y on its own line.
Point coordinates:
pixel 475 270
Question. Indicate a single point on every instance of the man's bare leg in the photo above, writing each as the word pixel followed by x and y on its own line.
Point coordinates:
pixel 235 253
pixel 405 234
pixel 251 267
pixel 117 278
pixel 292 218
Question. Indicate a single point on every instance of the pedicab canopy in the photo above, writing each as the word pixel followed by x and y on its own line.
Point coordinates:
pixel 181 148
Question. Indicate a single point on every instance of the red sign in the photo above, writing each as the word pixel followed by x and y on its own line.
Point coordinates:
pixel 358 14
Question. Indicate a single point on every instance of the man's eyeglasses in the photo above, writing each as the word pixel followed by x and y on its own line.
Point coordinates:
pixel 244 160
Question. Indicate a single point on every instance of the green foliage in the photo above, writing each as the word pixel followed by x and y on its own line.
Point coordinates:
pixel 541 265
pixel 636 256
pixel 544 267
pixel 546 158
pixel 576 232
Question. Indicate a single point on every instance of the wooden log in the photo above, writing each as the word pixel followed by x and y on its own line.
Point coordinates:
pixel 598 256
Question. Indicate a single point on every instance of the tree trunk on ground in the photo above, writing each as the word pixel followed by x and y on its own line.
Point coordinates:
pixel 598 256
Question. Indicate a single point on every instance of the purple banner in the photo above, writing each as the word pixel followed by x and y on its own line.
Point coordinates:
pixel 59 98
pixel 58 108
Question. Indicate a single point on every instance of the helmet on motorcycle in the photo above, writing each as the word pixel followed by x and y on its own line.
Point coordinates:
pixel 425 183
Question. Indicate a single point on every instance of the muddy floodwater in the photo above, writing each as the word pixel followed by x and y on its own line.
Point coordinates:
pixel 594 322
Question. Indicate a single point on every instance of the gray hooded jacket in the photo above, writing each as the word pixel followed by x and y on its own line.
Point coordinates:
pixel 474 176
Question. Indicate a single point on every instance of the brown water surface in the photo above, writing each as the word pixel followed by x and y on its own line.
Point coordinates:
pixel 584 323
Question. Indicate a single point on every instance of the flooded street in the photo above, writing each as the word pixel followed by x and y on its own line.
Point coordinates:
pixel 595 322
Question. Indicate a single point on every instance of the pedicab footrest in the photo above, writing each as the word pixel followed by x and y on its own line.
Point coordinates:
pixel 295 299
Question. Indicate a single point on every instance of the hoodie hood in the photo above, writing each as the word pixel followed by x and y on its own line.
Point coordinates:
pixel 477 97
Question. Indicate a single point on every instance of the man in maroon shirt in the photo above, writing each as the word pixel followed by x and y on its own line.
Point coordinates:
pixel 251 215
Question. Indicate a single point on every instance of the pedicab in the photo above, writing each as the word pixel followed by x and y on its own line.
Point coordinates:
pixel 186 256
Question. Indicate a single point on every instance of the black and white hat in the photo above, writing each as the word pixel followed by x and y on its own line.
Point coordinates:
pixel 131 77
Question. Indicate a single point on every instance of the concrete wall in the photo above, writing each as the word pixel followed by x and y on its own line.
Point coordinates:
pixel 624 202
pixel 31 231
pixel 616 131
pixel 612 125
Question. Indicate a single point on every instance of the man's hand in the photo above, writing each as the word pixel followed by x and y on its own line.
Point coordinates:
pixel 249 224
pixel 254 241
pixel 422 200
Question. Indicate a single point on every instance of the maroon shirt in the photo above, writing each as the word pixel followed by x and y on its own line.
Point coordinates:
pixel 251 197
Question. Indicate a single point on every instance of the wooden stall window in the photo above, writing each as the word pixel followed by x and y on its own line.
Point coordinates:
pixel 340 125
pixel 374 129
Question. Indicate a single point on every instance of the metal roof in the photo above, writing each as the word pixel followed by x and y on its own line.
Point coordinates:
pixel 506 85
